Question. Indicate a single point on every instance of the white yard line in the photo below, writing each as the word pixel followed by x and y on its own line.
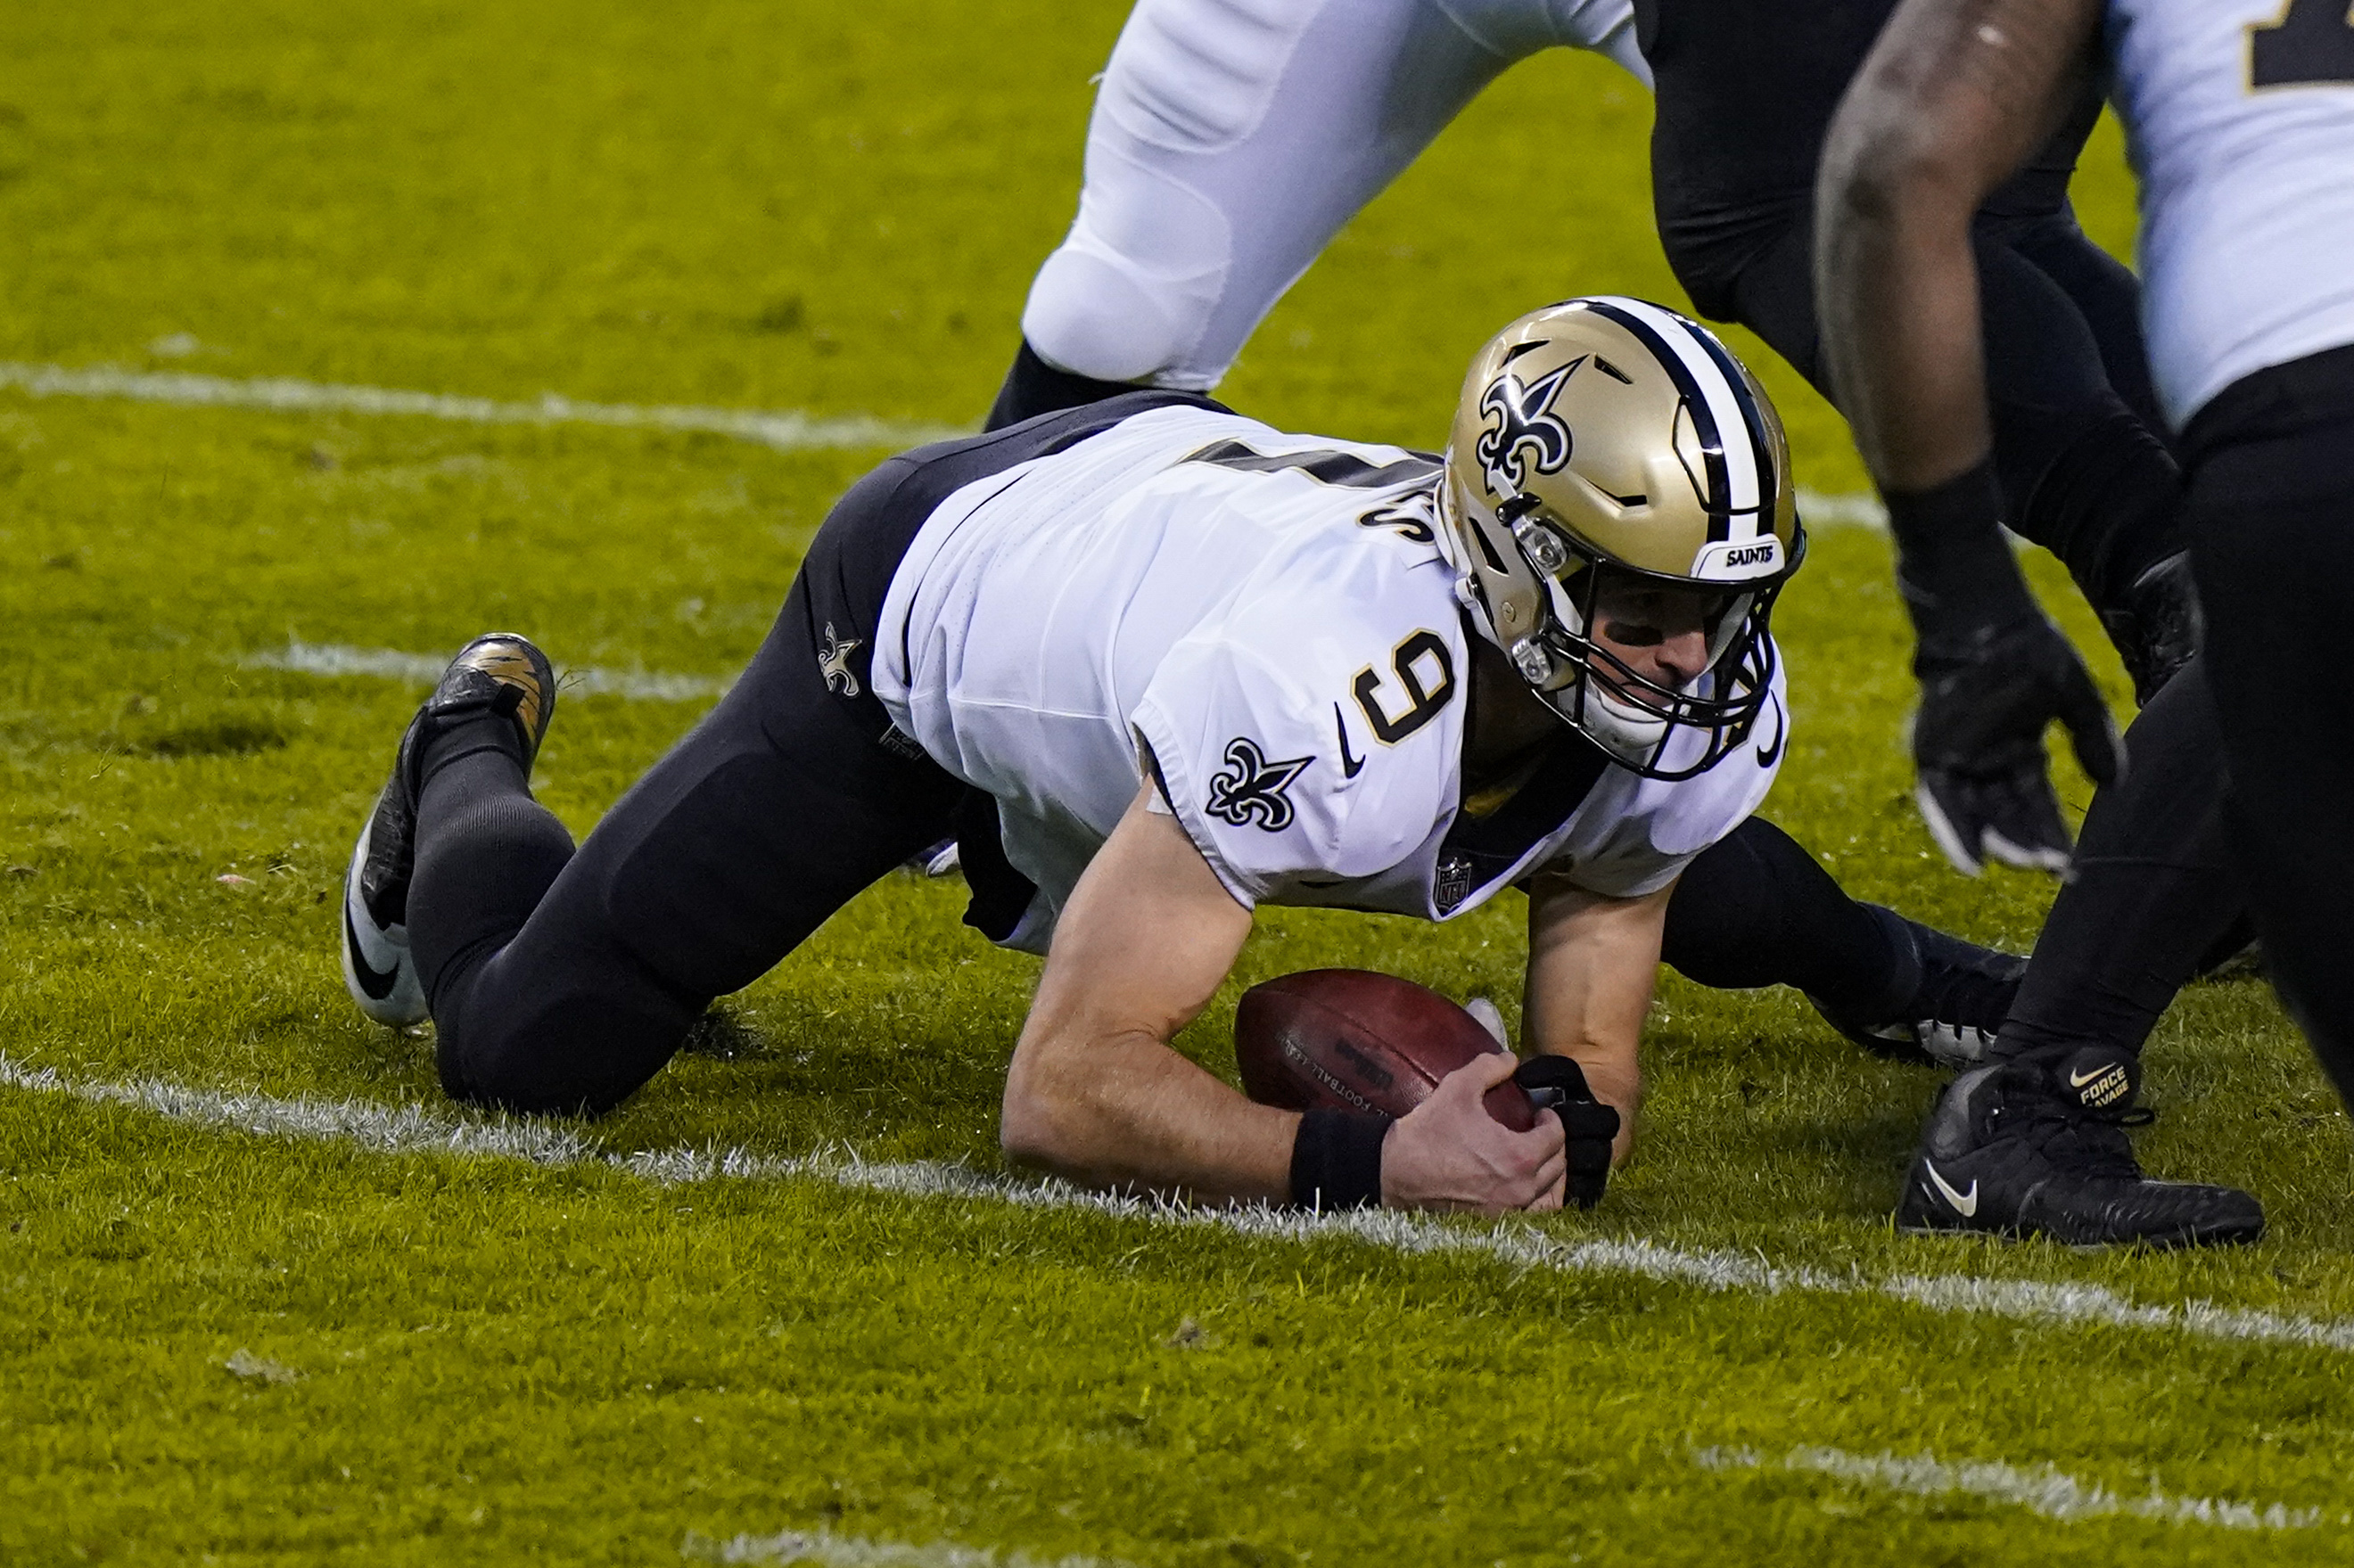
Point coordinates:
pixel 2038 1488
pixel 424 669
pixel 1819 509
pixel 823 1546
pixel 784 430
pixel 437 1129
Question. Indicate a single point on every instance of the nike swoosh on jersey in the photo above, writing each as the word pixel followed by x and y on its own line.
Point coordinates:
pixel 1351 765
pixel 376 982
pixel 1767 755
pixel 1965 1203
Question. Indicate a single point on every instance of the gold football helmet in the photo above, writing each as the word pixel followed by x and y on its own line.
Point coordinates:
pixel 1607 434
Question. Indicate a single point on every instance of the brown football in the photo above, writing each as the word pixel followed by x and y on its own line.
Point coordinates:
pixel 1355 1040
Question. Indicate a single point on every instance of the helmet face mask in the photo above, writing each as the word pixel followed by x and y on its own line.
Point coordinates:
pixel 1606 446
pixel 1635 716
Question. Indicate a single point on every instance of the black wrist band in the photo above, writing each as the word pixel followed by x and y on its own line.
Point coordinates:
pixel 1336 1161
pixel 1954 565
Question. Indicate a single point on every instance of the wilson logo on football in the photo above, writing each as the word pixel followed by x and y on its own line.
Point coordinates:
pixel 1249 791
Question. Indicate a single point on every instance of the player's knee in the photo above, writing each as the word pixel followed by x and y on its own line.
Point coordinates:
pixel 1130 294
pixel 557 1040
pixel 1101 315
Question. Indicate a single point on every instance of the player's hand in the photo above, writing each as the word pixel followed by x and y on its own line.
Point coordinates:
pixel 1449 1153
pixel 1977 741
pixel 1558 1084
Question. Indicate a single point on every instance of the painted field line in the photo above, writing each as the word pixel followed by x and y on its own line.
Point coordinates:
pixel 2039 1489
pixel 784 430
pixel 420 1128
pixel 831 1550
pixel 424 669
pixel 1820 509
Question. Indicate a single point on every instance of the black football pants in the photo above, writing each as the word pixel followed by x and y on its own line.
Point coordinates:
pixel 562 982
pixel 2272 519
pixel 2152 892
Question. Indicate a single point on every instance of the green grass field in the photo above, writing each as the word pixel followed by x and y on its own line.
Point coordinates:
pixel 265 1298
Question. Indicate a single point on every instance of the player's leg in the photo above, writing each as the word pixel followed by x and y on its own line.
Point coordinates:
pixel 1227 146
pixel 2150 895
pixel 2036 1141
pixel 1755 909
pixel 2084 472
pixel 2107 296
pixel 778 809
pixel 561 981
pixel 2272 529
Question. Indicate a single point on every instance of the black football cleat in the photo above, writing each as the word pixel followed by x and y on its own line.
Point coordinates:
pixel 2037 1147
pixel 2158 627
pixel 1947 997
pixel 500 674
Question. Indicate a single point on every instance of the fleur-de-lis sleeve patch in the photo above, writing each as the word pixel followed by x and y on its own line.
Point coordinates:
pixel 1249 791
pixel 833 663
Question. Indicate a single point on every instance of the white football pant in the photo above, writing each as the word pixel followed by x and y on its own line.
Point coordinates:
pixel 1232 138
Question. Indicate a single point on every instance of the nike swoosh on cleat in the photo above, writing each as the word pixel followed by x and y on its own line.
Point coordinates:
pixel 2078 1080
pixel 377 983
pixel 1965 1203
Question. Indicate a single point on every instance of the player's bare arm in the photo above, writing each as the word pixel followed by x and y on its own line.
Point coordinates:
pixel 1954 98
pixel 1592 964
pixel 1094 1092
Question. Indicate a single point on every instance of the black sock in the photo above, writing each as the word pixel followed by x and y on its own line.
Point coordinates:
pixel 1754 909
pixel 1033 387
pixel 486 853
pixel 2150 890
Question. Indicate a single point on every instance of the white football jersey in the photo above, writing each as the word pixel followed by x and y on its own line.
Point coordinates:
pixel 1269 620
pixel 2240 117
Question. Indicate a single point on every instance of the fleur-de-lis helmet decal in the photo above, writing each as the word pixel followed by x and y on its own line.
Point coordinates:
pixel 1526 429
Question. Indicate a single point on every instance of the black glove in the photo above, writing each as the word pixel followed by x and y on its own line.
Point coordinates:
pixel 1994 672
pixel 1978 743
pixel 1558 1084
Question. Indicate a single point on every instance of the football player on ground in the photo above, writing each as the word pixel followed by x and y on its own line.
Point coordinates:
pixel 1226 148
pixel 2241 117
pixel 1229 144
pixel 1219 164
pixel 1171 664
